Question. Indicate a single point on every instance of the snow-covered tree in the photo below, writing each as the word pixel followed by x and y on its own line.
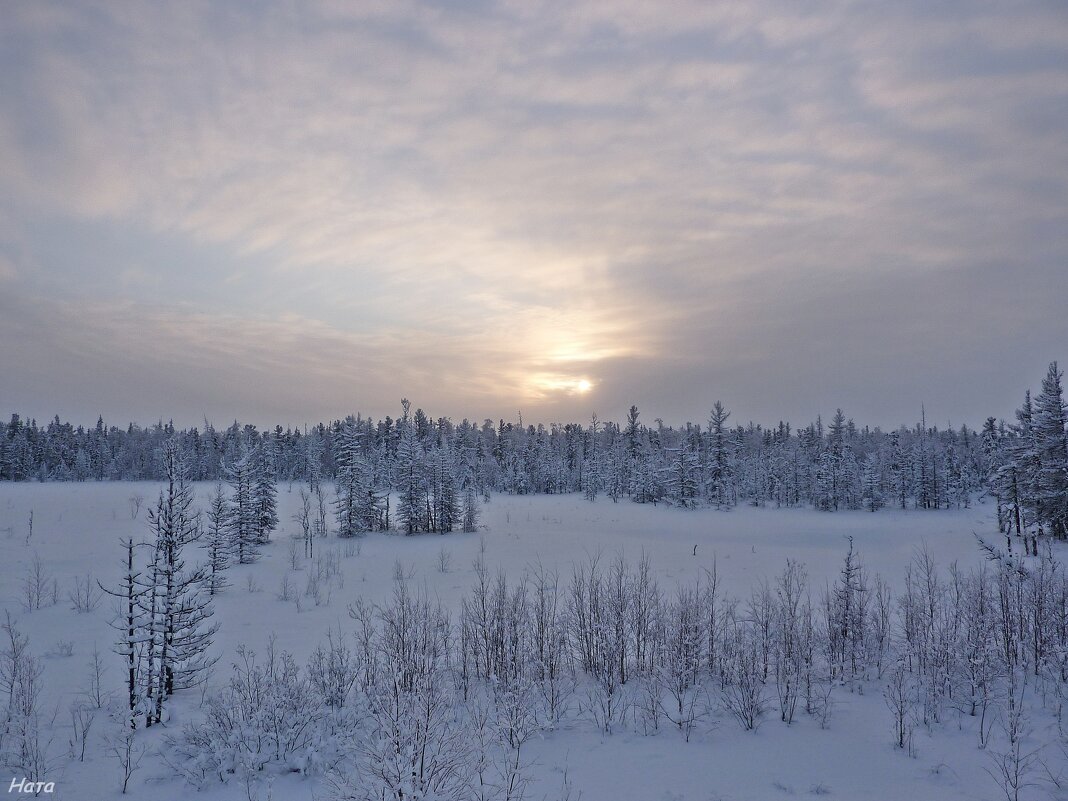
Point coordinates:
pixel 682 478
pixel 218 540
pixel 264 494
pixel 356 504
pixel 445 500
pixel 1051 445
pixel 872 483
pixel 721 489
pixel 243 516
pixel 129 620
pixel 177 606
pixel 409 478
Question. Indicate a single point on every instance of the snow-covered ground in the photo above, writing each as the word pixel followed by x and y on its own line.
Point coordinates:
pixel 77 528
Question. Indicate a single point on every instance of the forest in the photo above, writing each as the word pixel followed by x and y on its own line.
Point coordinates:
pixel 437 468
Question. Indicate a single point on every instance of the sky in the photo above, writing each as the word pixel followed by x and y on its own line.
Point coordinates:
pixel 288 212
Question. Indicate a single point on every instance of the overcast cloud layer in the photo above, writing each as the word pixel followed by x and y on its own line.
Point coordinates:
pixel 290 212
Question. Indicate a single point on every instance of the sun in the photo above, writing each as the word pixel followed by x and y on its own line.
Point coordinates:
pixel 544 385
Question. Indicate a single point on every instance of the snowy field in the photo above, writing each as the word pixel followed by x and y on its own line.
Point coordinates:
pixel 77 528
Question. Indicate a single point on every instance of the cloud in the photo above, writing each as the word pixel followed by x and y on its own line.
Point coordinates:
pixel 494 203
pixel 150 361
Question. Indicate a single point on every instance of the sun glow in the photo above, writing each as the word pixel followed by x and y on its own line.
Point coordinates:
pixel 543 385
pixel 566 350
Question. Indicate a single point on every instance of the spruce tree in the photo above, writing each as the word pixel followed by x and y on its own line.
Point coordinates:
pixel 591 462
pixel 682 477
pixel 351 483
pixel 264 495
pixel 243 518
pixel 1023 471
pixel 470 510
pixel 721 489
pixel 898 471
pixel 446 497
pixel 833 464
pixel 1051 451
pixel 411 513
pixel 218 540
pixel 873 491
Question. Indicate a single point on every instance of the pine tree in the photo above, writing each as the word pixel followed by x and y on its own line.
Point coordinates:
pixel 633 449
pixel 591 463
pixel 646 486
pixel 682 477
pixel 470 510
pixel 481 473
pixel 264 495
pixel 825 488
pixel 721 488
pixel 957 483
pixel 898 471
pixel 1016 478
pixel 243 517
pixel 850 482
pixel 990 453
pixel 411 514
pixel 352 484
pixel 832 465
pixel 446 500
pixel 616 469
pixel 873 492
pixel 1051 446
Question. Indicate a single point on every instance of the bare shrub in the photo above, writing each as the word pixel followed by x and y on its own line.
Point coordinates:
pixel 86 594
pixel 82 716
pixel 39 587
pixel 743 694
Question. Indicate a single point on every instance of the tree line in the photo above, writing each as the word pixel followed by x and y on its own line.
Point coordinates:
pixel 436 468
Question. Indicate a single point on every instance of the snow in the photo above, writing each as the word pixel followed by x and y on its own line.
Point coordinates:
pixel 77 528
